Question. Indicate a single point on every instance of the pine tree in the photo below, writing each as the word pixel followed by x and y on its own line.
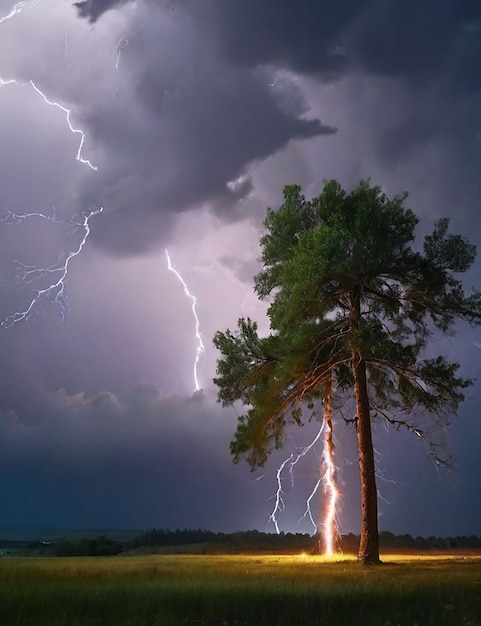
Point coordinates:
pixel 353 304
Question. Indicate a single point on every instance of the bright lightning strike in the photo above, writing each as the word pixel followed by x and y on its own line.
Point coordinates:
pixel 328 527
pixel 308 511
pixel 279 503
pixel 290 463
pixel 200 344
pixel 57 105
pixel 55 291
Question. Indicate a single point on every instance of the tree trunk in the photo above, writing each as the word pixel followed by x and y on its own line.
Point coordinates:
pixel 369 544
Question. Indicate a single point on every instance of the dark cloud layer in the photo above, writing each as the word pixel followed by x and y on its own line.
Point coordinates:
pixel 409 38
pixel 207 125
pixel 93 9
pixel 187 126
pixel 196 114
pixel 395 38
pixel 206 76
pixel 137 457
pixel 140 459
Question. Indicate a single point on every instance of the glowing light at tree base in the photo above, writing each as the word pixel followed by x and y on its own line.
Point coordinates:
pixel 327 528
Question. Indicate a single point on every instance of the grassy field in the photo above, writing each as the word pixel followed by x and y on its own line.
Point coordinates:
pixel 239 590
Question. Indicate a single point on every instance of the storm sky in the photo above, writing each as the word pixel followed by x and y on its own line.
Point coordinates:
pixel 195 116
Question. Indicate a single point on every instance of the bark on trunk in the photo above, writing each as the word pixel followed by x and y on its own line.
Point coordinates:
pixel 369 543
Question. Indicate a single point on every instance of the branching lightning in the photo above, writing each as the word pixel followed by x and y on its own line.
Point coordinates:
pixel 55 291
pixel 17 218
pixel 327 529
pixel 200 344
pixel 57 105
pixel 308 511
pixel 290 463
pixel 279 497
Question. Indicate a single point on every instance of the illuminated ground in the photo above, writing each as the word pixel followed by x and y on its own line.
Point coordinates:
pixel 153 590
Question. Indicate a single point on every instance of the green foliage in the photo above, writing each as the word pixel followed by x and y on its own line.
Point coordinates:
pixel 345 281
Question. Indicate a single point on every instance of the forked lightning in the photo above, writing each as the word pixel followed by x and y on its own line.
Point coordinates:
pixel 55 291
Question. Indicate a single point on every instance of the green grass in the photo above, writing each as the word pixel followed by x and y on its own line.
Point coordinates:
pixel 165 590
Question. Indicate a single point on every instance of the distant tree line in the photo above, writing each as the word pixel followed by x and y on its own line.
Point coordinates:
pixel 388 540
pixel 166 537
pixel 252 541
pixel 88 546
pixel 247 540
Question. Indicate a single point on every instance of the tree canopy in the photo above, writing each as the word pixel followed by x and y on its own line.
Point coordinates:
pixel 353 304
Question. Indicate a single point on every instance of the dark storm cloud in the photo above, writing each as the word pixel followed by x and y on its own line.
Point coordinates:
pixel 301 35
pixel 420 40
pixel 137 459
pixel 409 38
pixel 93 9
pixel 196 127
pixel 209 104
pixel 245 270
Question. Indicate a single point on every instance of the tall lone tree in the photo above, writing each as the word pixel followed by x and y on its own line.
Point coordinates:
pixel 353 306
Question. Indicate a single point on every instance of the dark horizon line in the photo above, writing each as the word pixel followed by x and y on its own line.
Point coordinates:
pixel 105 530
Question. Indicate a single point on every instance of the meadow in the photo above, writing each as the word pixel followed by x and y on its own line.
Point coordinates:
pixel 164 590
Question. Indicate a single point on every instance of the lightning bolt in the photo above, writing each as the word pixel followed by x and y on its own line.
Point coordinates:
pixel 122 43
pixel 279 499
pixel 65 44
pixel 331 490
pixel 308 511
pixel 200 345
pixel 57 105
pixel 18 8
pixel 290 463
pixel 55 291
pixel 119 46
pixel 328 528
pixel 16 218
